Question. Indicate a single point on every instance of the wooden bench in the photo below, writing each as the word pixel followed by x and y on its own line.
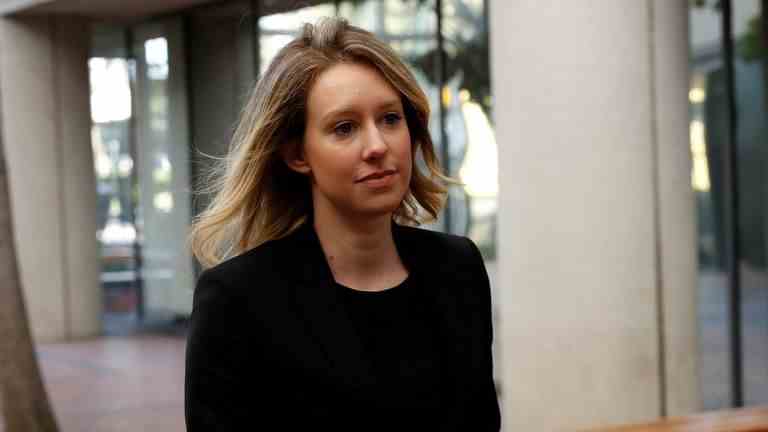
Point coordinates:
pixel 739 420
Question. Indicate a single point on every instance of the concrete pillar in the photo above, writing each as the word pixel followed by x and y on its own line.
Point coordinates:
pixel 46 128
pixel 678 248
pixel 597 250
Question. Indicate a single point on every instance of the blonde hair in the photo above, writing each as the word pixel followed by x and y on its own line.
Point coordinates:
pixel 257 198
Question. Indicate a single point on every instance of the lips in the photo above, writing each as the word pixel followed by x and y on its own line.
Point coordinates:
pixel 376 175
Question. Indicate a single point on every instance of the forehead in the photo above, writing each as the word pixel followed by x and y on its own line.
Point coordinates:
pixel 349 86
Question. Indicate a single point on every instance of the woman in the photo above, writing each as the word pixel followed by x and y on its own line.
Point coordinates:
pixel 319 306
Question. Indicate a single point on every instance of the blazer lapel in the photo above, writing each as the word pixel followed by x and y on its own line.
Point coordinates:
pixel 324 315
pixel 431 273
pixel 437 288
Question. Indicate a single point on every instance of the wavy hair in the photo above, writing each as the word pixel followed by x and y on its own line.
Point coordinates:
pixel 256 197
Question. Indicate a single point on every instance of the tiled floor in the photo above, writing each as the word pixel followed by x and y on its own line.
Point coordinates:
pixel 116 384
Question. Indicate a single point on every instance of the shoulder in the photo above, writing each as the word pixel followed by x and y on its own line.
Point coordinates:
pixel 454 267
pixel 233 277
pixel 448 260
pixel 246 263
pixel 439 244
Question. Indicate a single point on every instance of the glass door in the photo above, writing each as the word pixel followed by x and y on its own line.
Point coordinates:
pixel 162 147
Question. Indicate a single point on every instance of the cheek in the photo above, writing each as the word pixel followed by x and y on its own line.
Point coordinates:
pixel 407 157
pixel 334 169
pixel 324 158
pixel 405 143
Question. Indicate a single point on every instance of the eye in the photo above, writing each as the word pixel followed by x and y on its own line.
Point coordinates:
pixel 392 118
pixel 343 129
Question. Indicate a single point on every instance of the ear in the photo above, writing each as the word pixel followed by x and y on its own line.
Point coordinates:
pixel 293 156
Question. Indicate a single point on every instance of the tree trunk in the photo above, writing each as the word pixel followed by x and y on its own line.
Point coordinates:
pixel 25 405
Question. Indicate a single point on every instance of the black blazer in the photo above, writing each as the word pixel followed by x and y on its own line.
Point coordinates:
pixel 269 342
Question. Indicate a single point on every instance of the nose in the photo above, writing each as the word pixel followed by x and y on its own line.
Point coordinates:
pixel 374 145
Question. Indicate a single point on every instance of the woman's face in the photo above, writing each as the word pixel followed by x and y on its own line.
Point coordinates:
pixel 357 146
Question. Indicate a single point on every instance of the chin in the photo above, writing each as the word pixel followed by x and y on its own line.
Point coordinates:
pixel 382 208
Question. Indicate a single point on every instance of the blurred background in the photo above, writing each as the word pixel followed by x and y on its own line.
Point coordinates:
pixel 613 156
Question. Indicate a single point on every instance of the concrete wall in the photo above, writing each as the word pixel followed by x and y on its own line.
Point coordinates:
pixel 596 224
pixel 46 128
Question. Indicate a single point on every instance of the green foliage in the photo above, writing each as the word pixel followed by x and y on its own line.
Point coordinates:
pixel 465 54
pixel 470 58
pixel 751 45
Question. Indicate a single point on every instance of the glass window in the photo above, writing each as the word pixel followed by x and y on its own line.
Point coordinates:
pixel 750 67
pixel 162 149
pixel 711 95
pixel 276 30
pixel 709 131
pixel 221 72
pixel 110 72
pixel 474 155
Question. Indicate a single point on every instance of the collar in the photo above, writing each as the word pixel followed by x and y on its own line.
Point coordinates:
pixel 305 260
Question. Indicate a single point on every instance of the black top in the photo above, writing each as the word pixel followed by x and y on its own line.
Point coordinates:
pixel 273 344
pixel 398 339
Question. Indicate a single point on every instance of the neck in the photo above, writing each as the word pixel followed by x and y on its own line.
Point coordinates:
pixel 360 252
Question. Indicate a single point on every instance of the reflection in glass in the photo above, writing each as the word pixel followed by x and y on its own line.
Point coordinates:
pixel 479 173
pixel 111 113
pixel 162 141
pixel 474 155
pixel 276 30
pixel 292 21
pixel 750 66
pixel 364 14
pixel 156 58
pixel 268 48
pixel 708 136
pixel 110 89
pixel 163 171
pixel 124 165
pixel 221 71
pixel 163 202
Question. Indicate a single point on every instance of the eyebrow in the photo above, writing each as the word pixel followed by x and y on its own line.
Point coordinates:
pixel 349 109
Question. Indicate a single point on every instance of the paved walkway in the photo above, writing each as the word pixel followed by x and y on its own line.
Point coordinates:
pixel 116 384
